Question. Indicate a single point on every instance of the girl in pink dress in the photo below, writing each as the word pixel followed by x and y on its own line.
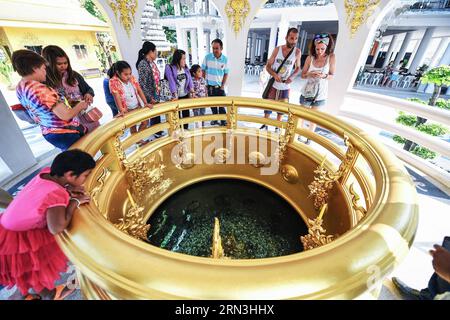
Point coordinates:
pixel 30 258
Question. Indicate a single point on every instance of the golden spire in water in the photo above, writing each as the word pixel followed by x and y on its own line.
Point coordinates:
pixel 217 250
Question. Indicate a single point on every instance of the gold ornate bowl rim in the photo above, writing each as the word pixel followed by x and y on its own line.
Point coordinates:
pixel 129 268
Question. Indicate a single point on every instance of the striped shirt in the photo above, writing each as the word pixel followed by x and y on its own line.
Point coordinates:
pixel 215 69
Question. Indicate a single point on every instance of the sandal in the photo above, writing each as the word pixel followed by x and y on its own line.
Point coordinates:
pixel 33 297
pixel 59 295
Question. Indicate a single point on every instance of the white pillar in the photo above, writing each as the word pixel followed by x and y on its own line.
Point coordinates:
pixel 413 53
pixel 377 52
pixel 201 43
pixel 390 50
pixel 403 48
pixel 208 41
pixel 272 39
pixel 213 34
pixel 14 151
pixel 351 52
pixel 439 52
pixel 177 8
pixel 236 45
pixel 194 46
pixel 420 55
pixel 302 40
pixel 283 28
pixel 253 48
pixel 128 44
pixel 179 33
pixel 445 60
pixel 185 44
pixel 263 47
pixel 305 44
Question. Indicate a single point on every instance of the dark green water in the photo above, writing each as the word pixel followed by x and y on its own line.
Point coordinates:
pixel 254 221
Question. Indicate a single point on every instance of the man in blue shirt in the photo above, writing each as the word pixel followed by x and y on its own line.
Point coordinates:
pixel 215 72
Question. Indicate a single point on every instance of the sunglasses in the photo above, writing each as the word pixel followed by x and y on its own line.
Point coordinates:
pixel 325 41
pixel 321 36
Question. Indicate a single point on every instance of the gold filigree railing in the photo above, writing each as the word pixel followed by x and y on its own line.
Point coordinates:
pixel 362 176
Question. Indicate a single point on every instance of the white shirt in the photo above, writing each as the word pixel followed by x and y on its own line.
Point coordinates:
pixel 323 83
pixel 181 83
pixel 286 69
pixel 130 96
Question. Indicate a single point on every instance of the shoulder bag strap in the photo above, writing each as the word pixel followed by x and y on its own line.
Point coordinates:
pixel 289 54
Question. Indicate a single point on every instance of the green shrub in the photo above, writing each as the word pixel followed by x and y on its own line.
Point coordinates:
pixel 399 139
pixel 406 119
pixel 423 152
pixel 434 129
pixel 443 104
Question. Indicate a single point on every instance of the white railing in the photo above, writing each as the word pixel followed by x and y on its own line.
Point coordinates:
pixel 433 143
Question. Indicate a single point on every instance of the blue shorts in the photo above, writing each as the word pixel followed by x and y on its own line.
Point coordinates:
pixel 310 103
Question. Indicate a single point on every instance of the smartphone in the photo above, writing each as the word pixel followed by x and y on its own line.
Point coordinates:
pixel 446 243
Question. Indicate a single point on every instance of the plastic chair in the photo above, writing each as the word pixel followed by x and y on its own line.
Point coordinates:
pixel 250 69
pixel 364 78
pixel 406 82
pixel 378 79
pixel 257 70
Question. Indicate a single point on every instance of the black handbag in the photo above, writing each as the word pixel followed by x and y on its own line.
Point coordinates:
pixel 272 79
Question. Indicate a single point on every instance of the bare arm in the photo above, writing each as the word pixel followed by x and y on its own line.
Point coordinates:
pixel 270 63
pixel 306 68
pixel 122 109
pixel 65 113
pixel 58 218
pixel 224 81
pixel 142 95
pixel 332 67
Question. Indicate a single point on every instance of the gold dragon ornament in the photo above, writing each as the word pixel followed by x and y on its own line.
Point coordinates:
pixel 237 11
pixel 127 9
pixel 358 11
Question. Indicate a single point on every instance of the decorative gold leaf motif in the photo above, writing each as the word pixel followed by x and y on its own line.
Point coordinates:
pixel 133 222
pixel 142 173
pixel 360 211
pixel 237 11
pixel 316 236
pixel 101 184
pixel 283 141
pixel 324 180
pixel 127 9
pixel 358 11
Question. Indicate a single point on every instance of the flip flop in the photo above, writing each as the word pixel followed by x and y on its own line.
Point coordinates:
pixel 33 297
pixel 59 295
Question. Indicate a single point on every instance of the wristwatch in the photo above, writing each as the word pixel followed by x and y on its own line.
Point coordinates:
pixel 78 201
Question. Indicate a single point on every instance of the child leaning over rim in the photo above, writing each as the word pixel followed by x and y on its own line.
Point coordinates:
pixel 30 258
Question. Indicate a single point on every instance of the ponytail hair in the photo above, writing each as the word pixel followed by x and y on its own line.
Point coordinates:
pixel 118 67
pixel 111 71
pixel 194 69
pixel 147 46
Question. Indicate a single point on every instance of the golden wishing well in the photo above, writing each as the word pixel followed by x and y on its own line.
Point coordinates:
pixel 355 201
